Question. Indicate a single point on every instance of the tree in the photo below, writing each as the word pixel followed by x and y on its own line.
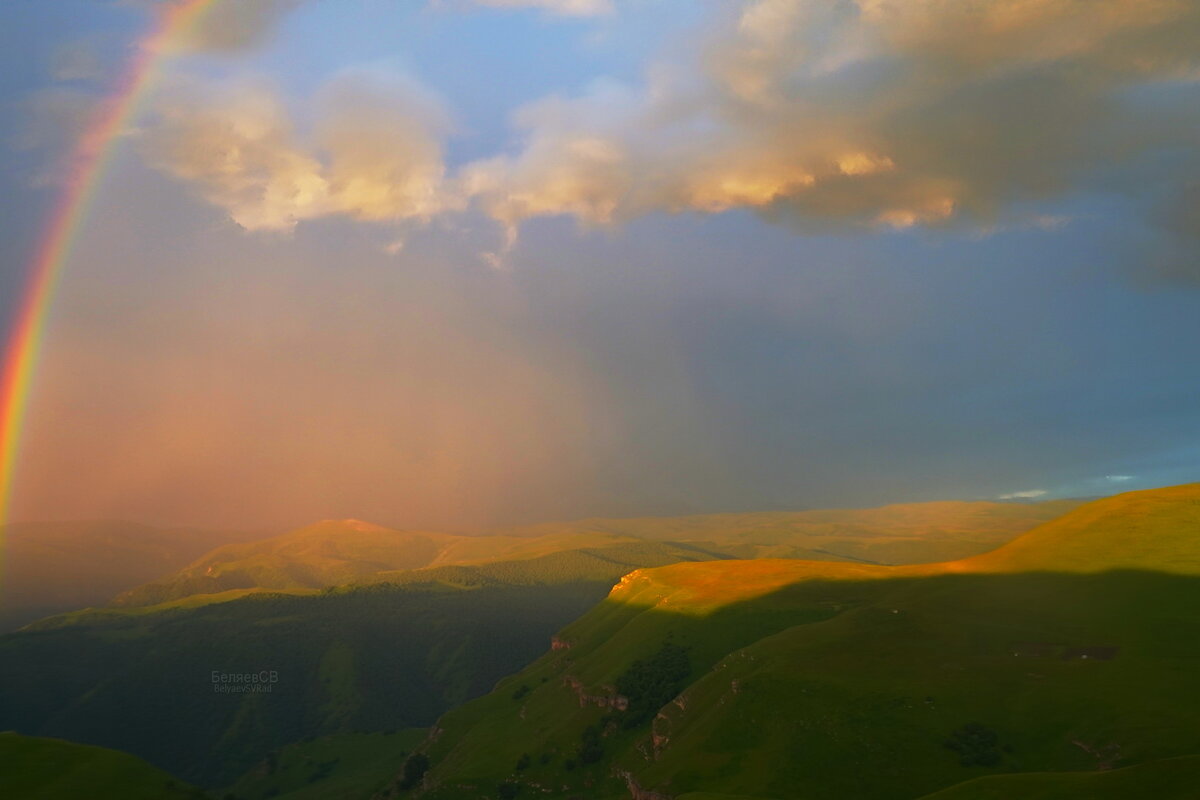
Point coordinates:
pixel 415 768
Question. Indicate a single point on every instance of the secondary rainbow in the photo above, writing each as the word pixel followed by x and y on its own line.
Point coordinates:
pixel 91 155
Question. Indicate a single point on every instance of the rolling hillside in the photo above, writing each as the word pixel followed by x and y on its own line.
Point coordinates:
pixel 336 552
pixel 350 552
pixel 1156 530
pixel 1071 650
pixel 896 534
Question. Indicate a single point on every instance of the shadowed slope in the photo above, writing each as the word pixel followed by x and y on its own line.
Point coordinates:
pixel 1167 779
pixel 52 769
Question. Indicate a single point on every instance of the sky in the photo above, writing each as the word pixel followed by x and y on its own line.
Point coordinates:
pixel 465 263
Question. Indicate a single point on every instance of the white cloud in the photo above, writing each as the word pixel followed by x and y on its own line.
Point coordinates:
pixel 1029 494
pixel 876 113
pixel 374 152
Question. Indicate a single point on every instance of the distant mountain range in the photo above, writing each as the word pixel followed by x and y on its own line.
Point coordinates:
pixel 337 552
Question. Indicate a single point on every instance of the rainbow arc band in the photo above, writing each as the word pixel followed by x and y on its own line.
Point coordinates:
pixel 91 155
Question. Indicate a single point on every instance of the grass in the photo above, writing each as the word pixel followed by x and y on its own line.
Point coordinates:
pixel 51 769
pixel 1165 779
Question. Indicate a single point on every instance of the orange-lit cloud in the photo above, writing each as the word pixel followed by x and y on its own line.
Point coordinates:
pixel 883 113
pixel 875 112
pixel 375 152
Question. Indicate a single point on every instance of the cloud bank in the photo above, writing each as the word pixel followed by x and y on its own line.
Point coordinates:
pixel 877 113
pixel 374 153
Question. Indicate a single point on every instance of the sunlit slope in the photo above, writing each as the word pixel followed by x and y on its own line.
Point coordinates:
pixel 336 552
pixel 55 566
pixel 836 680
pixel 895 534
pixel 53 769
pixel 1157 529
pixel 324 554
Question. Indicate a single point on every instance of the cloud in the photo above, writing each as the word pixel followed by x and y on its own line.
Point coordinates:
pixel 815 113
pixel 875 112
pixel 1031 494
pixel 373 154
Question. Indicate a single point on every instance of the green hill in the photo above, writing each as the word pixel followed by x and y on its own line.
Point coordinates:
pixel 1157 530
pixel 52 769
pixel 1167 779
pixel 351 765
pixel 772 679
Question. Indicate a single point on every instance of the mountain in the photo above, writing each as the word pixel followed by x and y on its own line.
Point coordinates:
pixel 52 769
pixel 57 566
pixel 336 552
pixel 1059 656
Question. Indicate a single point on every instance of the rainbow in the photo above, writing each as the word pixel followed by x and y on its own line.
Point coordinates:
pixel 91 156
